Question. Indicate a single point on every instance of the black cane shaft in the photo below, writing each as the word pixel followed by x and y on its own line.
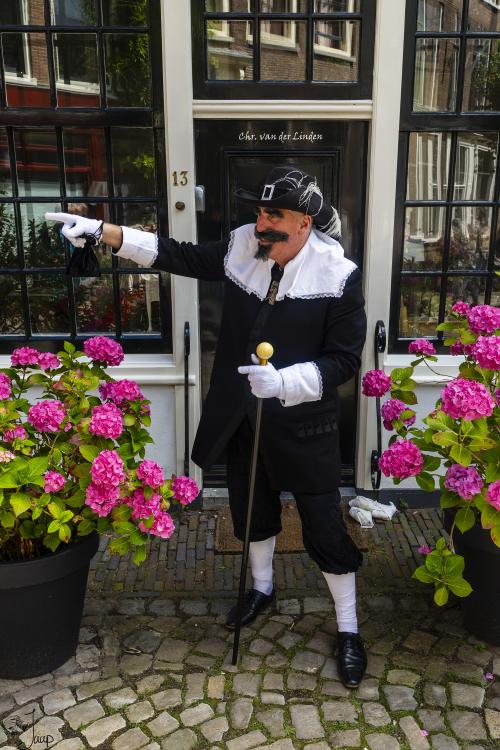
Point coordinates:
pixel 246 543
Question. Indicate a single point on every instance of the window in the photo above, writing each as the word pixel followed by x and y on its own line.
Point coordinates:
pixel 80 130
pixel 286 48
pixel 447 234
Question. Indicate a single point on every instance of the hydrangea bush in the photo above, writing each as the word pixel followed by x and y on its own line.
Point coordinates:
pixel 457 448
pixel 74 462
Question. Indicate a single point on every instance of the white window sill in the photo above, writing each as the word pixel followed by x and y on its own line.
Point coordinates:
pixel 447 366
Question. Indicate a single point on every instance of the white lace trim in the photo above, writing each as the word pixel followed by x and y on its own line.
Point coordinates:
pixel 320 379
pixel 318 270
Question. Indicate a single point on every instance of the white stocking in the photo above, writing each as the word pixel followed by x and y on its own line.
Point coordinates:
pixel 261 564
pixel 343 590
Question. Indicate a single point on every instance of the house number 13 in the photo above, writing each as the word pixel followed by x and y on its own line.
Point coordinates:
pixel 180 178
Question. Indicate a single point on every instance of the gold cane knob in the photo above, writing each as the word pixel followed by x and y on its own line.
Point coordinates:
pixel 264 352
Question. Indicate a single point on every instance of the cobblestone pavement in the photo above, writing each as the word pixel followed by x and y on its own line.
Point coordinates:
pixel 153 669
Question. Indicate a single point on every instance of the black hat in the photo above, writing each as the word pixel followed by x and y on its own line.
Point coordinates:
pixel 289 187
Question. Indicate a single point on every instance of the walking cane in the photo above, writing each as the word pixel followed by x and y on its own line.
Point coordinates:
pixel 264 352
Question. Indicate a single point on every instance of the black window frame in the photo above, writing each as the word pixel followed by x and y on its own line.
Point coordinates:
pixel 451 123
pixel 57 118
pixel 257 89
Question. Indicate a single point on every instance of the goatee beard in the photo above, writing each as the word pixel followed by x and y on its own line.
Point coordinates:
pixel 263 251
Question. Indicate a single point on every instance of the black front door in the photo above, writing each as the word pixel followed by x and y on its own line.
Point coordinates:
pixel 239 153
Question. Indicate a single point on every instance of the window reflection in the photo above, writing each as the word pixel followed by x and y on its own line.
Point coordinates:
pixel 470 289
pixel 101 212
pixel 138 216
pixel 12 321
pixel 283 50
pixel 49 309
pixel 85 165
pixel 5 176
pixel 419 311
pixel 26 69
pixel 94 304
pixel 424 238
pixel 336 50
pixel 77 70
pixel 439 15
pixel 140 302
pixel 22 12
pixel 337 6
pixel 435 86
pixel 482 75
pixel 36 162
pixel 475 166
pixel 470 237
pixel 133 161
pixel 73 12
pixel 8 244
pixel 229 50
pixel 428 166
pixel 228 6
pixel 484 15
pixel 43 243
pixel 283 6
pixel 128 13
pixel 128 70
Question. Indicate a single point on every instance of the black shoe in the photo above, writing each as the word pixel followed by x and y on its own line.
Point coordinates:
pixel 351 659
pixel 253 603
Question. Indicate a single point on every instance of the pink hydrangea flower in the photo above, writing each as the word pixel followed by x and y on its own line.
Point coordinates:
pixel 150 473
pixel 49 361
pixel 460 308
pixel 163 526
pixel 16 433
pixel 483 319
pixel 424 549
pixel 466 481
pixel 6 456
pixel 466 399
pixel 487 352
pixel 121 390
pixel 402 459
pixel 457 348
pixel 391 410
pixel 53 481
pixel 106 421
pixel 493 494
pixel 103 349
pixel 107 469
pixel 102 499
pixel 24 356
pixel 422 346
pixel 143 507
pixel 185 490
pixel 47 416
pixel 5 386
pixel 375 383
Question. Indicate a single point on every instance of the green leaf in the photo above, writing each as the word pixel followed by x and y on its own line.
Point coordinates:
pixel 441 596
pixel 53 526
pixel 89 452
pixel 68 347
pixel 465 519
pixel 461 455
pixel 448 500
pixel 448 325
pixel 425 481
pixel 51 541
pixel 55 509
pixel 10 480
pixel 36 467
pixel 85 527
pixel 422 574
pixel 460 587
pixel 401 373
pixel 121 512
pixel 138 538
pixel 20 502
pixel 76 500
pixel 129 420
pixel 139 555
pixel 407 397
pixel 407 385
pixel 36 379
pixel 492 473
pixel 445 438
pixel 432 463
pixel 467 337
pixel 65 533
pixel 454 566
pixel 119 546
pixel 123 527
pixel 7 519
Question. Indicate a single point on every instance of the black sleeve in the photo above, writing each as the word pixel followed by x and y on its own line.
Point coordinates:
pixel 344 337
pixel 204 261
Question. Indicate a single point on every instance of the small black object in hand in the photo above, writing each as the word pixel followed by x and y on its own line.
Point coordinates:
pixel 83 261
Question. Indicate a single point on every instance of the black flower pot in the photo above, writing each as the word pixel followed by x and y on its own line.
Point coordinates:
pixel 482 569
pixel 41 605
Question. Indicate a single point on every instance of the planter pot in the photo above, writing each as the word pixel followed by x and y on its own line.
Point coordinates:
pixel 482 569
pixel 41 605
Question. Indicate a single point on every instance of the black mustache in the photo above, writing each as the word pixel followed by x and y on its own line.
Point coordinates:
pixel 271 236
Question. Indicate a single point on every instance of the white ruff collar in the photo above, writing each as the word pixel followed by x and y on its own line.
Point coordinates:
pixel 318 270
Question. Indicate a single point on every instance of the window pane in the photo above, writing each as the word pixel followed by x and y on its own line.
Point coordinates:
pixel 48 303
pixel 435 85
pixel 26 70
pixel 439 15
pixel 73 12
pixel 484 16
pixel 12 322
pixel 5 175
pixel 77 70
pixel 496 244
pixel 94 304
pixel 43 243
pixel 85 165
pixel 336 50
pixel 140 302
pixel 428 166
pixel 133 161
pixel 470 289
pixel 419 311
pixel 229 50
pixel 138 216
pixel 424 238
pixel 125 12
pixel 36 161
pixel 283 50
pixel 495 292
pixel 482 75
pixel 8 247
pixel 227 6
pixel 470 237
pixel 95 211
pixel 283 6
pixel 337 6
pixel 475 166
pixel 22 12
pixel 128 82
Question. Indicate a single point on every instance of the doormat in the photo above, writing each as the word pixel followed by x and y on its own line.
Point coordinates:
pixel 290 539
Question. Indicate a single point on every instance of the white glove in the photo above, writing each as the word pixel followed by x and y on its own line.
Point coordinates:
pixel 75 227
pixel 265 380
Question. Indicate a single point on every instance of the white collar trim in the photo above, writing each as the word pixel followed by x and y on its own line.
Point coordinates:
pixel 318 270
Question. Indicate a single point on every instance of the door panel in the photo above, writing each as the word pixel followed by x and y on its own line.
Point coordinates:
pixel 236 153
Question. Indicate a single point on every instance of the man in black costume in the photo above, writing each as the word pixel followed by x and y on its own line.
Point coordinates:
pixel 287 282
